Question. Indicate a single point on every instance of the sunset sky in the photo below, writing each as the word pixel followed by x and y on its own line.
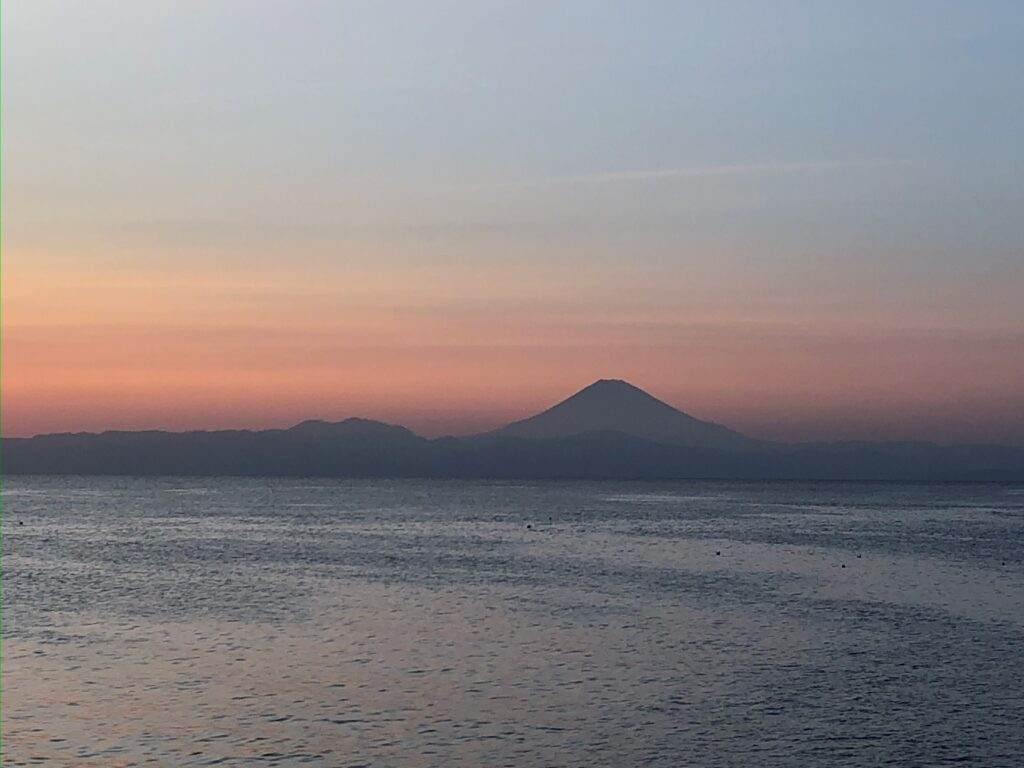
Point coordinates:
pixel 804 220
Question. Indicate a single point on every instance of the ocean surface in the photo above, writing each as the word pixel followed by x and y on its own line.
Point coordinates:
pixel 193 622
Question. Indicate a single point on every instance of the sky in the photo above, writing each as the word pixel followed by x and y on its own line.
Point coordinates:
pixel 804 220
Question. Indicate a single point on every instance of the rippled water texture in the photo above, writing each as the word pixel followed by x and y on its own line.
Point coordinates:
pixel 183 622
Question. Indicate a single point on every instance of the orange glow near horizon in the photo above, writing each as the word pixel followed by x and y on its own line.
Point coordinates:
pixel 465 349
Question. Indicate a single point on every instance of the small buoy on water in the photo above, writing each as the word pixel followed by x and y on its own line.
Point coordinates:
pixel 529 526
pixel 718 553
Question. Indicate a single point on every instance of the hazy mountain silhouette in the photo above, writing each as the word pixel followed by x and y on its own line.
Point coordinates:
pixel 609 430
pixel 613 405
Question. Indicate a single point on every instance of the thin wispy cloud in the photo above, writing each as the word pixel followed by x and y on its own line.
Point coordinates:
pixel 699 171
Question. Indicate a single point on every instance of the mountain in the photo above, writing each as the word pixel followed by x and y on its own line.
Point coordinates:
pixel 610 430
pixel 354 447
pixel 613 405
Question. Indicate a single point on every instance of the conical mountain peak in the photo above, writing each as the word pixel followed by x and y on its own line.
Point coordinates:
pixel 611 385
pixel 614 405
pixel 613 388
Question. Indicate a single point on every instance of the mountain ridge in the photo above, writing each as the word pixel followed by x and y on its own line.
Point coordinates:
pixel 608 430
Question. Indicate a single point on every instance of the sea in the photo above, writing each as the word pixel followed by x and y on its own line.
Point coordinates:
pixel 406 623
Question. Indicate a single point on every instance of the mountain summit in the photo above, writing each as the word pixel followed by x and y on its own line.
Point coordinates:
pixel 613 405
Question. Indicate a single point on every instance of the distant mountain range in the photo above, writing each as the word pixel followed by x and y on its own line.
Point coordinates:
pixel 609 430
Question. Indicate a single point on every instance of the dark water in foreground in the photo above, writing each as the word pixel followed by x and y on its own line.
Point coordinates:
pixel 183 622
